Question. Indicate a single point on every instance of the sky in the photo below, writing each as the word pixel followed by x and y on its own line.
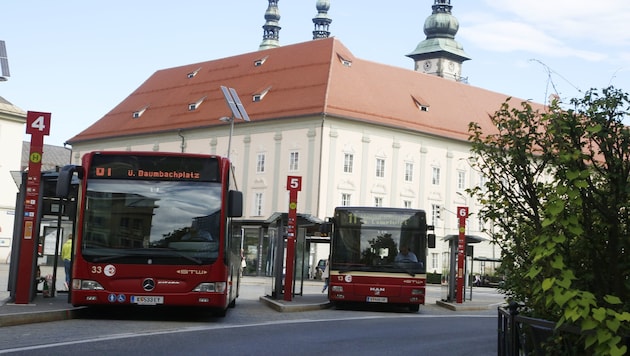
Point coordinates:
pixel 78 59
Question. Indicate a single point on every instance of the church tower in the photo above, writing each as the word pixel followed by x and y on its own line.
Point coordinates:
pixel 322 21
pixel 271 29
pixel 440 54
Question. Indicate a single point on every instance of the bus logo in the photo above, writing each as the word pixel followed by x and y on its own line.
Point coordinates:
pixel 191 271
pixel 377 290
pixel 109 270
pixel 148 284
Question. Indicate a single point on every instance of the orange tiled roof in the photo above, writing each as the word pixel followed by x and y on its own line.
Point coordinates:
pixel 310 78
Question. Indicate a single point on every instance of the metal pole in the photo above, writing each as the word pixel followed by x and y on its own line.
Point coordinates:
pixel 230 138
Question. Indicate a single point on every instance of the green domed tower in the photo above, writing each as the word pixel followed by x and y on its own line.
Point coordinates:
pixel 440 54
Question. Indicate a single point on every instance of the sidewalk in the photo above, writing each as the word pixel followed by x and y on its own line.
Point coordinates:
pixel 58 308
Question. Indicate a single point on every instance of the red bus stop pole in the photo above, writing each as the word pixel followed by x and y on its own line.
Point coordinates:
pixel 38 126
pixel 462 214
pixel 294 185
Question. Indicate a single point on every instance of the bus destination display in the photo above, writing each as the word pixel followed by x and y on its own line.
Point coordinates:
pixel 146 167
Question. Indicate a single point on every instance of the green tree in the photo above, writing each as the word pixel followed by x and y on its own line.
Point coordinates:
pixel 557 195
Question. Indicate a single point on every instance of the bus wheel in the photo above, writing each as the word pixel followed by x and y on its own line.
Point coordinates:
pixel 221 312
pixel 232 303
pixel 414 307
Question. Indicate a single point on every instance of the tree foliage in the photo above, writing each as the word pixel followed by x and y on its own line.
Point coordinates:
pixel 557 195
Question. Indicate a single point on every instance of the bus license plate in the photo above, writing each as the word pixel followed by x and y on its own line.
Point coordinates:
pixel 147 299
pixel 377 299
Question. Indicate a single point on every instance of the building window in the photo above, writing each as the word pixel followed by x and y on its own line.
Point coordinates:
pixel 258 204
pixel 348 162
pixel 345 199
pixel 378 201
pixel 434 260
pixel 435 178
pixel 407 204
pixel 294 159
pixel 408 172
pixel 461 180
pixel 482 182
pixel 260 163
pixel 436 211
pixel 380 167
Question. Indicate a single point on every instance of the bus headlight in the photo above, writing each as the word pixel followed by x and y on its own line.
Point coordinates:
pixel 86 284
pixel 218 287
pixel 337 288
pixel 417 292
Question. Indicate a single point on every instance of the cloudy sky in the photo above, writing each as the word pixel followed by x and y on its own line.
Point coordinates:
pixel 78 59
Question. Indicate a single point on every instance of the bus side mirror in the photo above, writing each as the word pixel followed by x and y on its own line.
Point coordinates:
pixel 235 204
pixel 431 240
pixel 325 229
pixel 64 179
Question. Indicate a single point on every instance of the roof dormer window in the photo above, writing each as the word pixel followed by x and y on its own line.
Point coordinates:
pixel 194 106
pixel 193 73
pixel 344 61
pixel 421 104
pixel 259 62
pixel 138 113
pixel 259 96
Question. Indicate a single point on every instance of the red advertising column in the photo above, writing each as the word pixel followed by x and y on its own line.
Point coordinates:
pixel 294 185
pixel 462 214
pixel 38 126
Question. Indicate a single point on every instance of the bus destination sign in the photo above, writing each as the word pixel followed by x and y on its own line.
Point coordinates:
pixel 154 167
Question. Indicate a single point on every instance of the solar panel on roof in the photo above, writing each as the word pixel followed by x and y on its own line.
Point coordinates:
pixel 231 103
pixel 239 104
pixel 4 61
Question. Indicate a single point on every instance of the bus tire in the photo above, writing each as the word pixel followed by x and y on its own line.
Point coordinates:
pixel 221 312
pixel 414 308
pixel 232 303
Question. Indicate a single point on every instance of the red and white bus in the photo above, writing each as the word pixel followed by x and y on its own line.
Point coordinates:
pixel 378 255
pixel 155 229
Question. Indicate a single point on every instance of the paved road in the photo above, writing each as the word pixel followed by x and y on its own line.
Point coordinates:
pixel 254 328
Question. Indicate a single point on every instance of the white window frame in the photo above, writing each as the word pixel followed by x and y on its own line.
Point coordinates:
pixel 260 163
pixel 436 214
pixel 408 172
pixel 435 260
pixel 346 199
pixel 380 168
pixel 348 162
pixel 294 161
pixel 461 180
pixel 435 175
pixel 258 204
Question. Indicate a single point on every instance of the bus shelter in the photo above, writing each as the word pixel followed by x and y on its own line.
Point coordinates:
pixel 54 222
pixel 307 225
pixel 449 265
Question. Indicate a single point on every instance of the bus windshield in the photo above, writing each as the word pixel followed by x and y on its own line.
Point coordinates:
pixel 154 222
pixel 379 241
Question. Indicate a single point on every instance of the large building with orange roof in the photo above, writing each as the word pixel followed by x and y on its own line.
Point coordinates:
pixel 356 131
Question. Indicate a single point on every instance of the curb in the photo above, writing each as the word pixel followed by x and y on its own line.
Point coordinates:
pixel 38 317
pixel 283 307
pixel 464 306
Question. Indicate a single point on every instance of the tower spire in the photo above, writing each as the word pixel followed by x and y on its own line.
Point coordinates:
pixel 322 20
pixel 440 54
pixel 271 28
